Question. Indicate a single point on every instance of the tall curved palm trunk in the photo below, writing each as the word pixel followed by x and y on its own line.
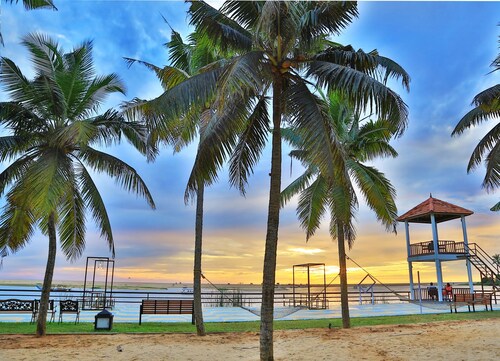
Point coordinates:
pixel 271 248
pixel 198 307
pixel 47 280
pixel 344 293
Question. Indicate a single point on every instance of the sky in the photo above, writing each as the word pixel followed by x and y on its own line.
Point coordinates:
pixel 446 47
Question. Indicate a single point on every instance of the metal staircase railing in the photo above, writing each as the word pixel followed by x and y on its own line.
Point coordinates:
pixel 484 264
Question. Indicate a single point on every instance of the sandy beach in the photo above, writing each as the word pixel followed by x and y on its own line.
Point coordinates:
pixel 464 340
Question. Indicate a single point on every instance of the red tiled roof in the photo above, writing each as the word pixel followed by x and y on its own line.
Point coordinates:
pixel 443 211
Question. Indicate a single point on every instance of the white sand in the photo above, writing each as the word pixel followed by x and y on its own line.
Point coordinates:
pixel 457 340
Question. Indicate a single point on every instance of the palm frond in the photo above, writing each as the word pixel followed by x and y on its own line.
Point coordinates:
pixel 365 92
pixel 179 53
pixel 12 146
pixel 198 90
pixel 310 114
pixel 371 63
pixel 71 224
pixel 325 18
pixel 473 118
pixel 343 204
pixel 17 225
pixel 296 187
pixel 44 182
pixel 93 201
pixel 218 137
pixel 245 13
pixel 15 83
pixel 169 76
pixel 46 55
pixel 492 177
pixel 487 143
pixel 378 192
pixel 489 99
pixel 96 92
pixel 312 205
pixel 291 136
pixel 250 145
pixel 225 32
pixel 124 174
pixel 243 75
pixel 78 71
pixel 37 4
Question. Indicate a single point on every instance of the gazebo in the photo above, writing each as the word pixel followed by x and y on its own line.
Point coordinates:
pixel 433 211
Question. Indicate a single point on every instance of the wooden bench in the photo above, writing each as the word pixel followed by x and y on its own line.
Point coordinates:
pixel 472 300
pixel 18 306
pixel 167 307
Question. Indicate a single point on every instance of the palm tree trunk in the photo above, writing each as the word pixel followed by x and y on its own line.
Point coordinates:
pixel 198 310
pixel 47 281
pixel 269 272
pixel 344 296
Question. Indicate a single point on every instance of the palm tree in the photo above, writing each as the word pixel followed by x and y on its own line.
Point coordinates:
pixel 54 128
pixel 31 5
pixel 496 262
pixel 186 60
pixel 280 47
pixel 487 106
pixel 323 188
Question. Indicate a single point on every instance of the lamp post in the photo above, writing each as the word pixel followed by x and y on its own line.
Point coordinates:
pixel 103 320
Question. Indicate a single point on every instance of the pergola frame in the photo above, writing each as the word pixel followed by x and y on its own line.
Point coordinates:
pixel 308 266
pixel 98 261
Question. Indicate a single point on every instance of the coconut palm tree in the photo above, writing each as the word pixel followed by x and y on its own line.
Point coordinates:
pixel 280 48
pixel 186 60
pixel 496 262
pixel 330 189
pixel 31 5
pixel 54 129
pixel 487 106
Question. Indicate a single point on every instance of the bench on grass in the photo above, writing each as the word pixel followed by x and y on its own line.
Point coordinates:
pixel 50 311
pixel 167 307
pixel 71 307
pixel 18 306
pixel 472 300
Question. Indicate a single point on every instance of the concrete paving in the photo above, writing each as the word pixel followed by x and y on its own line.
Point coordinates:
pixel 130 313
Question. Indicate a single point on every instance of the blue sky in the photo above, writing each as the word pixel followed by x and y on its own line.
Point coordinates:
pixel 446 47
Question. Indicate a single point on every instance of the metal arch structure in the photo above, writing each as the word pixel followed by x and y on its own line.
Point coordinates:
pixel 94 298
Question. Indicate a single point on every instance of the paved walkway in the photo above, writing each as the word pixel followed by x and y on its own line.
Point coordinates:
pixel 130 313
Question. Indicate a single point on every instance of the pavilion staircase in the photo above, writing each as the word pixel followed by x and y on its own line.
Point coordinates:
pixel 484 263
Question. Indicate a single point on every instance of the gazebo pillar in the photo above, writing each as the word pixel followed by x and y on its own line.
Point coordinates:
pixel 410 265
pixel 439 272
pixel 466 242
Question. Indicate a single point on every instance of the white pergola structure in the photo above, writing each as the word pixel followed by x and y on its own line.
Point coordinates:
pixel 433 211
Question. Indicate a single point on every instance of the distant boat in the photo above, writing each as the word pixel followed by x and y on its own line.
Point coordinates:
pixel 56 288
pixel 187 290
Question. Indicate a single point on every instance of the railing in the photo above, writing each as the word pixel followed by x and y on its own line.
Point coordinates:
pixel 228 298
pixel 486 259
pixel 444 247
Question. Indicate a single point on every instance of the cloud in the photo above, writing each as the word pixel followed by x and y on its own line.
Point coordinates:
pixel 448 63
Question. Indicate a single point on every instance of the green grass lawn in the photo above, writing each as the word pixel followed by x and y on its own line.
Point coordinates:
pixel 253 326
